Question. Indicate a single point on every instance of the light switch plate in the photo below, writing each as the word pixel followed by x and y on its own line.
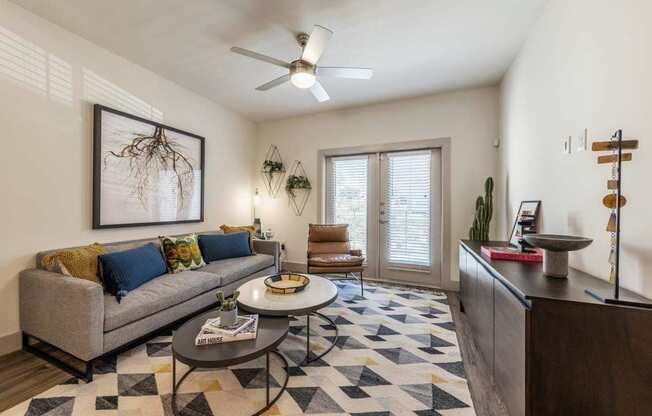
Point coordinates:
pixel 566 145
pixel 583 141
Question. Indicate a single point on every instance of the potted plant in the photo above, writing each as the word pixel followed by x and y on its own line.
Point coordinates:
pixel 479 230
pixel 228 308
pixel 296 182
pixel 270 166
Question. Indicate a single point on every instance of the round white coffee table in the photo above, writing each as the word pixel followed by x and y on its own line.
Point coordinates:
pixel 320 292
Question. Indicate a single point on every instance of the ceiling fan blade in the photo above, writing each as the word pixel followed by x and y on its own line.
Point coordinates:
pixel 316 44
pixel 319 92
pixel 260 57
pixel 274 83
pixel 356 73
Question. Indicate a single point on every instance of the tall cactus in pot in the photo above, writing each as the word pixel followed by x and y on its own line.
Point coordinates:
pixel 484 207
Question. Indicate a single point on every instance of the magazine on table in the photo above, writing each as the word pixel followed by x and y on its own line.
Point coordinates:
pixel 211 335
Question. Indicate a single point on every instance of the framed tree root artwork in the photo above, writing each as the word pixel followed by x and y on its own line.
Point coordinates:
pixel 144 173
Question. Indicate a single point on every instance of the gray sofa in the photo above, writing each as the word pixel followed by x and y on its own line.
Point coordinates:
pixel 78 317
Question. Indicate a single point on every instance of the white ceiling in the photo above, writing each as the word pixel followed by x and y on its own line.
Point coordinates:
pixel 416 47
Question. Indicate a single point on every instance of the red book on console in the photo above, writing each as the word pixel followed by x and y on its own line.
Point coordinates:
pixel 512 253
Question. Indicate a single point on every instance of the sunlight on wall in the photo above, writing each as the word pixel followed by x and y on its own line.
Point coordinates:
pixel 60 80
pixel 99 90
pixel 29 66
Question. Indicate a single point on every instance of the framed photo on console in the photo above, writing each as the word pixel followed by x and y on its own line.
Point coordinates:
pixel 526 222
pixel 144 172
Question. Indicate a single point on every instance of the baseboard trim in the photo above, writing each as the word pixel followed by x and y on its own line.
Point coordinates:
pixel 10 343
pixel 406 285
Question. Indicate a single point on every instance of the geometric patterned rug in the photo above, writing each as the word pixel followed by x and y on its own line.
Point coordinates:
pixel 397 354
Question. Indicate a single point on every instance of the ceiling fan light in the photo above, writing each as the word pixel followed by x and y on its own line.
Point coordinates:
pixel 303 79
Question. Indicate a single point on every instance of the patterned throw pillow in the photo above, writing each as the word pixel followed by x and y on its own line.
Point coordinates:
pixel 182 253
pixel 228 229
pixel 76 262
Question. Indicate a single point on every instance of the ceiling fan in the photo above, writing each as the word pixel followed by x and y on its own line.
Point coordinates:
pixel 303 72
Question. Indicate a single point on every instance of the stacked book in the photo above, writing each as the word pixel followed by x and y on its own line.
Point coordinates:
pixel 212 332
pixel 513 254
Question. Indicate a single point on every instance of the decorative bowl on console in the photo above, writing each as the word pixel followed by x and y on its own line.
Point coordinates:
pixel 555 251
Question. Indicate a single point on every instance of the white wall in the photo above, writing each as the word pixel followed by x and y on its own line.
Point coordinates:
pixel 468 117
pixel 586 64
pixel 49 79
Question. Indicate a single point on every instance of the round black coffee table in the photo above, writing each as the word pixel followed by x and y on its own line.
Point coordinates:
pixel 271 332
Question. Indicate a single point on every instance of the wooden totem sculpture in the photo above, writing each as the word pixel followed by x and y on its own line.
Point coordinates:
pixel 614 200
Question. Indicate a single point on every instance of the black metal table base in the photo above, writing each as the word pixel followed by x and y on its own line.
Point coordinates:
pixel 309 360
pixel 269 403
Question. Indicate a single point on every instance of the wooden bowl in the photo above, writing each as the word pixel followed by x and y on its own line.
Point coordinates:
pixel 286 283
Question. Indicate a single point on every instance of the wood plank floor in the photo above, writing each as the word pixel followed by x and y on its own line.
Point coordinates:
pixel 23 375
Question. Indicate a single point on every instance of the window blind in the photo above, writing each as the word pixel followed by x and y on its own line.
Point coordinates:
pixel 407 208
pixel 346 196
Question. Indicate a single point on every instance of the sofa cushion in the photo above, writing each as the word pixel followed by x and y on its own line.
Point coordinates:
pixel 124 271
pixel 251 229
pixel 225 246
pixel 336 260
pixel 156 295
pixel 182 253
pixel 76 262
pixel 234 269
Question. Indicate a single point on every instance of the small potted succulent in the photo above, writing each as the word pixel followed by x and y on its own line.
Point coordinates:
pixel 228 308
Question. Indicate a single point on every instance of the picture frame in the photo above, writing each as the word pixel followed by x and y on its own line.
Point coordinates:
pixel 144 172
pixel 529 208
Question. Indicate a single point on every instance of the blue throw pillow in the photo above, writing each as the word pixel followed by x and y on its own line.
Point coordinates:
pixel 224 246
pixel 126 270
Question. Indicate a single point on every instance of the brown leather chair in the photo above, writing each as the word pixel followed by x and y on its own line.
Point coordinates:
pixel 329 251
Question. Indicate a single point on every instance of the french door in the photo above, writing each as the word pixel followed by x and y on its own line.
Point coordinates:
pixel 392 201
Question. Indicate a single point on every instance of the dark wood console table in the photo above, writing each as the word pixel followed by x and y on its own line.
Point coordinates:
pixel 553 349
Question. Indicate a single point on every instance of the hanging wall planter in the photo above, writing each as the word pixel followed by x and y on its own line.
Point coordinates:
pixel 273 171
pixel 298 188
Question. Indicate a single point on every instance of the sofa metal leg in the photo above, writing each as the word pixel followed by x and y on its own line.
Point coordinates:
pixel 89 371
pixel 86 374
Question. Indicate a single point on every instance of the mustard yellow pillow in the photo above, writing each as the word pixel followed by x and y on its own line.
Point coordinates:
pixel 76 262
pixel 228 229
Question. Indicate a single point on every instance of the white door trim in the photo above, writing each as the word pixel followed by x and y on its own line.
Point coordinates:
pixel 444 145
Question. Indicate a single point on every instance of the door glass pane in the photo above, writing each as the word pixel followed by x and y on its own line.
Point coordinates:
pixel 407 208
pixel 347 196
